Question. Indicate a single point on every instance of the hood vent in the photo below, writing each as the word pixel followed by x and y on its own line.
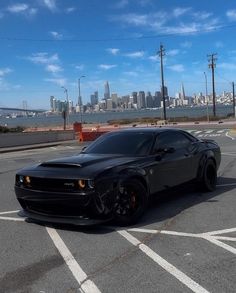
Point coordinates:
pixel 61 165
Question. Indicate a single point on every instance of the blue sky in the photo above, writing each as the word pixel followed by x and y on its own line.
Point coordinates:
pixel 46 44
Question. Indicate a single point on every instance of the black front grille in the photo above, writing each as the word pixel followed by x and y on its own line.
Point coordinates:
pixel 49 184
pixel 58 208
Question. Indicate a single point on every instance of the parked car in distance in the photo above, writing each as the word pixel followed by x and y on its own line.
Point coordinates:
pixel 114 177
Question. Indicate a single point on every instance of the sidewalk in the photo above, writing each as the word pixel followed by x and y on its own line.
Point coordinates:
pixel 40 145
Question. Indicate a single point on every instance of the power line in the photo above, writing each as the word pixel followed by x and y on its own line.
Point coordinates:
pixel 219 27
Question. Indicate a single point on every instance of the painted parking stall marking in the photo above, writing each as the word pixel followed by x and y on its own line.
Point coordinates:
pixel 209 236
pixel 183 278
pixel 210 133
pixel 6 218
pixel 87 286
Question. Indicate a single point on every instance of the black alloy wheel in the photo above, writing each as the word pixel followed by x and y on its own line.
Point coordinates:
pixel 131 201
pixel 209 178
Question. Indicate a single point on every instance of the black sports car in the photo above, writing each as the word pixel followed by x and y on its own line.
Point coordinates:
pixel 115 176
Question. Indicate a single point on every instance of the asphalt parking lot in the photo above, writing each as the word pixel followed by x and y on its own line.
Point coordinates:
pixel 185 243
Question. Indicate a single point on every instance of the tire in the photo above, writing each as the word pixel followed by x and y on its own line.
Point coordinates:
pixel 209 176
pixel 131 201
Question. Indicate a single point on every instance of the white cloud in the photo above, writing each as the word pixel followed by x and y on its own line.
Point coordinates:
pixel 231 14
pixel 22 8
pixel 219 44
pixel 50 4
pixel 121 4
pixel 53 68
pixel 177 67
pixel 17 8
pixel 180 11
pixel 161 22
pixel 107 66
pixel 186 44
pixel 173 52
pixel 57 81
pixel 228 66
pixel 113 51
pixel 70 9
pixel 43 58
pixel 154 58
pixel 56 35
pixel 79 67
pixel 4 71
pixel 131 73
pixel 202 15
pixel 137 54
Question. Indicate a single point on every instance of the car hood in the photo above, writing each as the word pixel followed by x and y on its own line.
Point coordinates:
pixel 83 165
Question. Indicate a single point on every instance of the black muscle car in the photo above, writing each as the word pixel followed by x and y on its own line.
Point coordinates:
pixel 114 177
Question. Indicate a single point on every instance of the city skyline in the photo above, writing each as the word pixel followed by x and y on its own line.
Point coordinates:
pixel 116 42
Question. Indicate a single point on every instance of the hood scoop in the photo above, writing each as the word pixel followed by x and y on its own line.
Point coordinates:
pixel 61 165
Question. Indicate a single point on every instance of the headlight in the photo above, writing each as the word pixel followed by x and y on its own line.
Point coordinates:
pixel 27 180
pixel 90 183
pixel 82 183
pixel 86 184
pixel 23 180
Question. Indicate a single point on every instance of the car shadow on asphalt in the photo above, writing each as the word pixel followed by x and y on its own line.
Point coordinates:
pixel 162 207
pixel 168 204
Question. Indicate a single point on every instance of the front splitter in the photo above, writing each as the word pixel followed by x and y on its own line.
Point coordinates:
pixel 79 221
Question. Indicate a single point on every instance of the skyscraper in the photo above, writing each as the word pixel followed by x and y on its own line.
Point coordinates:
pixel 106 91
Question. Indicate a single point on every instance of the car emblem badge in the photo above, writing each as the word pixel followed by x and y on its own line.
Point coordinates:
pixel 69 184
pixel 151 171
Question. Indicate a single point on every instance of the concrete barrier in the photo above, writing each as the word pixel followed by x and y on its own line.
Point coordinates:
pixel 28 138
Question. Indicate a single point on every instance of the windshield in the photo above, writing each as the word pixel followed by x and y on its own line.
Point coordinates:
pixel 122 143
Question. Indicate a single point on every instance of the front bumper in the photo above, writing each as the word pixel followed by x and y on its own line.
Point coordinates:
pixel 76 220
pixel 63 208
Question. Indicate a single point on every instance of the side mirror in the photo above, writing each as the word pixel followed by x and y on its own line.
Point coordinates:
pixel 83 149
pixel 169 150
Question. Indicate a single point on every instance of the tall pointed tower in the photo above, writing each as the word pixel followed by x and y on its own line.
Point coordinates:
pixel 106 91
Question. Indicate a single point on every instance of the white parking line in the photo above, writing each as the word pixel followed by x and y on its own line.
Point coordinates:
pixel 12 219
pixel 86 285
pixel 220 244
pixel 10 212
pixel 229 154
pixel 209 131
pixel 227 134
pixel 183 278
pixel 217 232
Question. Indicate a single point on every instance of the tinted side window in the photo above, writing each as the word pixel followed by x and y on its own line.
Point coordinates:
pixel 176 140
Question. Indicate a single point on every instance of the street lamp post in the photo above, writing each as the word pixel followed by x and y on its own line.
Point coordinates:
pixel 80 99
pixel 67 101
pixel 206 96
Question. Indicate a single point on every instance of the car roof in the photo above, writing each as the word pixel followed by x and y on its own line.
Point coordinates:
pixel 148 129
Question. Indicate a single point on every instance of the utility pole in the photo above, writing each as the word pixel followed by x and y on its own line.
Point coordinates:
pixel 234 110
pixel 66 114
pixel 80 103
pixel 212 65
pixel 206 99
pixel 161 53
